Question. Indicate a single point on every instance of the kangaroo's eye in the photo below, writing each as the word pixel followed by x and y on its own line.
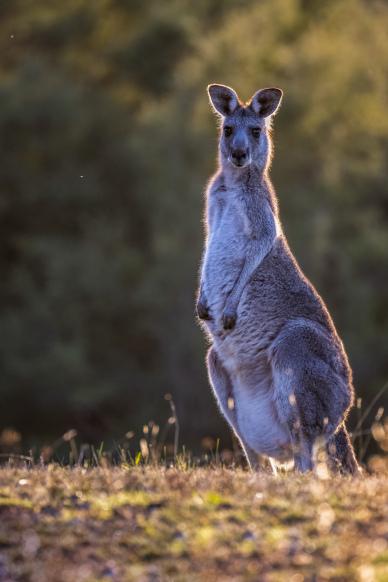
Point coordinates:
pixel 256 131
pixel 228 131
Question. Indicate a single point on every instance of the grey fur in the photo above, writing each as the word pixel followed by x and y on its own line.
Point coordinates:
pixel 275 352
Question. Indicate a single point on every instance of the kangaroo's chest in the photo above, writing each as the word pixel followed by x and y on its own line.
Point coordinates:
pixel 233 219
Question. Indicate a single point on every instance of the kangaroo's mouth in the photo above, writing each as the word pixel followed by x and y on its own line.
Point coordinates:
pixel 240 163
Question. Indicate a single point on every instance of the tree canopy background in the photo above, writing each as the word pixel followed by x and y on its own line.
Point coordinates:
pixel 107 141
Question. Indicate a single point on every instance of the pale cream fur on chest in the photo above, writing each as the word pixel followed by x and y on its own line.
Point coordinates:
pixel 247 226
pixel 232 203
pixel 237 206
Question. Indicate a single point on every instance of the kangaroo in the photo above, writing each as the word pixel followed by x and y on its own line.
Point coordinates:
pixel 276 365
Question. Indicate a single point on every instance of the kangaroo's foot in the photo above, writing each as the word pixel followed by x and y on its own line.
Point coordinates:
pixel 252 457
pixel 303 452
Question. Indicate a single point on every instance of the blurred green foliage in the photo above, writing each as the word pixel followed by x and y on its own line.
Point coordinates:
pixel 107 141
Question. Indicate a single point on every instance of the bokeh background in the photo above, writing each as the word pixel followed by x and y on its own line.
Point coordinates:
pixel 107 142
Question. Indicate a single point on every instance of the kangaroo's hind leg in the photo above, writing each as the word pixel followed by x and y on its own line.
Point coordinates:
pixel 223 390
pixel 289 408
pixel 290 395
pixel 310 397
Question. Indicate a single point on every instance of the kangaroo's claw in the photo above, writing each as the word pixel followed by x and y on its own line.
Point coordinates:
pixel 203 311
pixel 229 320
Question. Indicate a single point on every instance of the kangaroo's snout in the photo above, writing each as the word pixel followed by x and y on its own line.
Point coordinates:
pixel 239 156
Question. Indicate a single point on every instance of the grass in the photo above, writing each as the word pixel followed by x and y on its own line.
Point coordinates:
pixel 151 523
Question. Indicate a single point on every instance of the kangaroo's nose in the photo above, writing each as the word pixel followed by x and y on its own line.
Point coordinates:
pixel 239 155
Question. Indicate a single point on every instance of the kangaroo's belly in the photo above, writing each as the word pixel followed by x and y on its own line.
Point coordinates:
pixel 257 419
pixel 260 427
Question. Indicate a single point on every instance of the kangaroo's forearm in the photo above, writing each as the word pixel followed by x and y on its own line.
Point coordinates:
pixel 256 253
pixel 202 306
pixel 258 250
pixel 203 271
pixel 252 262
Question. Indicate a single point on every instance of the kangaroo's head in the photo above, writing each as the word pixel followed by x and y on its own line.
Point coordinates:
pixel 244 138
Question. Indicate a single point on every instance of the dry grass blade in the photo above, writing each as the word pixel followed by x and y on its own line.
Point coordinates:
pixel 369 408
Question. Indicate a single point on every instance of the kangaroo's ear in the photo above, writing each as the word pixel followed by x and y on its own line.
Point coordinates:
pixel 266 101
pixel 223 99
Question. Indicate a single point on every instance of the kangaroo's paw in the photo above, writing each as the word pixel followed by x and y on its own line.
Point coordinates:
pixel 203 311
pixel 229 318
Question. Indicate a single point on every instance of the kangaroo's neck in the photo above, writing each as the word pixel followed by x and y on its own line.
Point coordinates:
pixel 250 181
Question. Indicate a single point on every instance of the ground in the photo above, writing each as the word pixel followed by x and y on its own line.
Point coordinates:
pixel 213 524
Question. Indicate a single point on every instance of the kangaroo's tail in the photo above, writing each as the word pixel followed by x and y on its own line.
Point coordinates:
pixel 340 452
